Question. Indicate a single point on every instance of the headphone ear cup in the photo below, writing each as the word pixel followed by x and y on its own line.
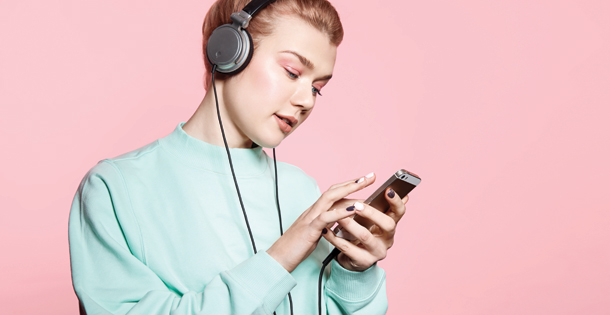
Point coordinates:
pixel 248 56
pixel 229 48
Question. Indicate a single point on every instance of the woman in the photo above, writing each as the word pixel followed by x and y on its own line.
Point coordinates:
pixel 159 230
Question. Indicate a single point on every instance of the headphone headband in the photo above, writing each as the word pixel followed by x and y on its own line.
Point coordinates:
pixel 243 17
pixel 256 5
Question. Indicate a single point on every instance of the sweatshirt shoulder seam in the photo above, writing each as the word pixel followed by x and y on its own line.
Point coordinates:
pixel 142 250
pixel 148 151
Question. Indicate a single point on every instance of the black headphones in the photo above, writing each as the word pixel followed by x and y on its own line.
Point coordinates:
pixel 230 46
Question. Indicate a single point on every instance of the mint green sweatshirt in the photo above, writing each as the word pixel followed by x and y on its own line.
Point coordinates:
pixel 159 230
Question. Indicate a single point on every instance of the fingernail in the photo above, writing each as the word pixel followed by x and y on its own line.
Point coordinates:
pixel 369 175
pixel 359 206
pixel 350 208
pixel 391 193
pixel 359 180
pixel 324 231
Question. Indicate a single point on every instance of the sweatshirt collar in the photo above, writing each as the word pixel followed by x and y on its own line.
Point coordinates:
pixel 202 155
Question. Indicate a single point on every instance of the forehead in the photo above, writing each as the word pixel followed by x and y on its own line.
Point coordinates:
pixel 293 34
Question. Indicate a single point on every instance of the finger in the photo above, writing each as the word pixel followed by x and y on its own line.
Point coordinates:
pixel 333 195
pixel 342 184
pixel 397 205
pixel 328 218
pixel 372 244
pixel 359 255
pixel 351 180
pixel 385 222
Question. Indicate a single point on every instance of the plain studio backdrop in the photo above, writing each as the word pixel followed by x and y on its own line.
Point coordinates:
pixel 501 107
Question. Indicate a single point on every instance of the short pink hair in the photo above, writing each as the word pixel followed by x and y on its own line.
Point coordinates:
pixel 318 13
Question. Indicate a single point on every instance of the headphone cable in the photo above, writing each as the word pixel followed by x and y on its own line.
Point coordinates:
pixel 231 163
pixel 325 263
pixel 237 187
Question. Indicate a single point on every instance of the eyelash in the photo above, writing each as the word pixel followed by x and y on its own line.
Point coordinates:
pixel 294 76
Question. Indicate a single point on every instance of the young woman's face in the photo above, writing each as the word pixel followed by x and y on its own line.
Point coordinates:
pixel 286 72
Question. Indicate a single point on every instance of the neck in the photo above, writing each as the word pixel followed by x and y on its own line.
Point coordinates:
pixel 204 125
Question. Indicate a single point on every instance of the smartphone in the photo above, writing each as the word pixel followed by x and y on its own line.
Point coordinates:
pixel 402 182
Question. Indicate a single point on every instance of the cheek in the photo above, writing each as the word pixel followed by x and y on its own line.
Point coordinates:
pixel 266 81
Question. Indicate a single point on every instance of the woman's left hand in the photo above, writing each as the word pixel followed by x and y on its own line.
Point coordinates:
pixel 372 245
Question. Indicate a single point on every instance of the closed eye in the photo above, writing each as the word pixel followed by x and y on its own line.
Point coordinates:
pixel 294 76
pixel 291 75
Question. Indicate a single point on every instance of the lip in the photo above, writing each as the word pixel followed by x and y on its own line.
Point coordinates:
pixel 286 128
pixel 293 121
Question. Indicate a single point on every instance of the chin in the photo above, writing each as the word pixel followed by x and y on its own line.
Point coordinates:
pixel 270 142
pixel 269 145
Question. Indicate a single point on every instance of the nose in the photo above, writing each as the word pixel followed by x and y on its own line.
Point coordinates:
pixel 303 97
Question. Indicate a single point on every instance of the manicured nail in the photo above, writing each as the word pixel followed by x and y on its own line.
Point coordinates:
pixel 360 180
pixel 391 193
pixel 359 206
pixel 369 175
pixel 350 208
pixel 324 231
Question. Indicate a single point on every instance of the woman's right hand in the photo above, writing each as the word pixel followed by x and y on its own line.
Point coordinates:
pixel 303 235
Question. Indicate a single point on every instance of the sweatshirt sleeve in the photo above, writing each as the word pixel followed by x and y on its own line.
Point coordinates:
pixel 355 292
pixel 109 279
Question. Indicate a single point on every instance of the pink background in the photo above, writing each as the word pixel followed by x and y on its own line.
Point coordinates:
pixel 500 106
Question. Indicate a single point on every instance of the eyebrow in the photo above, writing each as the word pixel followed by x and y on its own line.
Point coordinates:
pixel 307 63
